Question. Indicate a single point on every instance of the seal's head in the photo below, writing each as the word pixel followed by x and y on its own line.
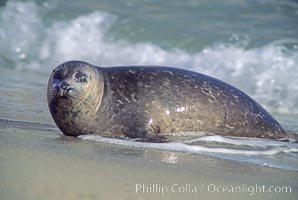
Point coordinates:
pixel 74 94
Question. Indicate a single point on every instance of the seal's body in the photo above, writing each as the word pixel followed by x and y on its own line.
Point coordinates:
pixel 149 102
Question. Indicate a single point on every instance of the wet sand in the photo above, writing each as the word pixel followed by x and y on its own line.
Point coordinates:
pixel 40 164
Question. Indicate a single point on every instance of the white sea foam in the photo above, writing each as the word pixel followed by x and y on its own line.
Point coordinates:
pixel 195 149
pixel 252 142
pixel 268 73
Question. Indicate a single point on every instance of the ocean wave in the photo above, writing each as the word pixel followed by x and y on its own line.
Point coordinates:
pixel 268 73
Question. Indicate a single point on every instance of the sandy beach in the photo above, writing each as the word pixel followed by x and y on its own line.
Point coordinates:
pixel 44 165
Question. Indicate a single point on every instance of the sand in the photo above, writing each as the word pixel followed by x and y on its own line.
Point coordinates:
pixel 40 164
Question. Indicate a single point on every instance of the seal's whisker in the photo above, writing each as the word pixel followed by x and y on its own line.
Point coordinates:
pixel 43 95
pixel 81 99
pixel 79 104
pixel 79 65
pixel 84 67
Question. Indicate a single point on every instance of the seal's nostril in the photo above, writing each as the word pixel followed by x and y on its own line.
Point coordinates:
pixel 63 85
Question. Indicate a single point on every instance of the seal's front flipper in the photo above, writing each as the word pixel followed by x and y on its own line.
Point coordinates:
pixel 144 134
pixel 152 137
pixel 153 134
pixel 139 125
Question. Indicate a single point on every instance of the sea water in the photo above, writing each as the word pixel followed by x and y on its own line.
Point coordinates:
pixel 252 45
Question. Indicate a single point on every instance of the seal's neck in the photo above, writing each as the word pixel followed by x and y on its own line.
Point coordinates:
pixel 89 104
pixel 93 96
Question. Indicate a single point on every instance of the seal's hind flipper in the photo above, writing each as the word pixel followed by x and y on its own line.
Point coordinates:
pixel 290 137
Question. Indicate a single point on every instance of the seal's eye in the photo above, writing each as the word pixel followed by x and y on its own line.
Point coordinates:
pixel 82 79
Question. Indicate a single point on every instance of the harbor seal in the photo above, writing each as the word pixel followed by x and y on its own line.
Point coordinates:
pixel 151 102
